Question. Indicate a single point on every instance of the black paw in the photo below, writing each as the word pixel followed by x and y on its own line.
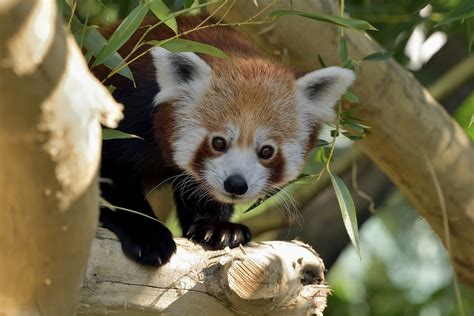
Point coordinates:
pixel 218 235
pixel 151 246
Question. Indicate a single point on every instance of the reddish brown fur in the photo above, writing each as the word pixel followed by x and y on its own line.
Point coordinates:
pixel 250 92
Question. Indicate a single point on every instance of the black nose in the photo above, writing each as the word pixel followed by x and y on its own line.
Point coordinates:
pixel 235 184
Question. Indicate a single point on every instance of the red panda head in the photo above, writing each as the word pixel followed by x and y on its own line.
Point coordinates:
pixel 244 128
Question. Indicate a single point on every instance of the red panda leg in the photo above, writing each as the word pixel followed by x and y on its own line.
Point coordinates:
pixel 207 221
pixel 144 240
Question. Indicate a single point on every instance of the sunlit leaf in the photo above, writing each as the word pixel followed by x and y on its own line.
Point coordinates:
pixel 121 35
pixel 378 56
pixel 341 21
pixel 348 211
pixel 320 155
pixel 179 45
pixel 161 11
pixel 275 192
pixel 108 134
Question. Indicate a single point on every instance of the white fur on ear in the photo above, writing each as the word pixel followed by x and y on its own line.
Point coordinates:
pixel 179 74
pixel 318 92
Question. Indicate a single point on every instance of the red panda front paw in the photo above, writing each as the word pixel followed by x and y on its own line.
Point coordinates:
pixel 219 234
pixel 152 247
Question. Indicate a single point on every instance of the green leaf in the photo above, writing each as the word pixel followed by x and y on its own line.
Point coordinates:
pixel 179 45
pixel 356 127
pixel 351 97
pixel 343 54
pixel 121 35
pixel 275 192
pixel 322 143
pixel 470 33
pixel 111 88
pixel 378 56
pixel 356 24
pixel 348 64
pixel 462 11
pixel 353 137
pixel 320 155
pixel 321 61
pixel 108 134
pixel 161 11
pixel 94 42
pixel 348 211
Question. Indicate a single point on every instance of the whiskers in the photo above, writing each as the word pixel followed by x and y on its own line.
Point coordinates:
pixel 172 178
pixel 285 204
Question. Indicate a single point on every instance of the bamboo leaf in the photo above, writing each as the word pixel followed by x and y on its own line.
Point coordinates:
pixel 179 45
pixel 122 33
pixel 348 211
pixel 462 11
pixel 356 24
pixel 343 53
pixel 161 11
pixel 320 155
pixel 94 42
pixel 274 192
pixel 378 56
pixel 321 61
pixel 351 97
pixel 108 134
pixel 322 143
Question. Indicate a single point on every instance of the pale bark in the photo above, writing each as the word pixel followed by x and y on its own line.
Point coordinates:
pixel 50 107
pixel 268 278
pixel 410 130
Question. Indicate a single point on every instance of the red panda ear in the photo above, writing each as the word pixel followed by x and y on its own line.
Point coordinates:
pixel 318 92
pixel 179 74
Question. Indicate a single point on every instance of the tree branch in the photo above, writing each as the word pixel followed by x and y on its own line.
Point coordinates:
pixel 276 277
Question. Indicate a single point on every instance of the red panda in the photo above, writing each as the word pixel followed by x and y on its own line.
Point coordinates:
pixel 220 131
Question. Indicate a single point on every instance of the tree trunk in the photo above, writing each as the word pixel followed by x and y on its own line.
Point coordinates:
pixel 268 278
pixel 50 106
pixel 411 132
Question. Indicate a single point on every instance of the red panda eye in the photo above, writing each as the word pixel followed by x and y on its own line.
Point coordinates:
pixel 219 143
pixel 266 152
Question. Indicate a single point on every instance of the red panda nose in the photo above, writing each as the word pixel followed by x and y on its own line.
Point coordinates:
pixel 235 184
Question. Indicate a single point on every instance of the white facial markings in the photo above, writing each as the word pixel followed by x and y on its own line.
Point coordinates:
pixel 239 161
pixel 318 91
pixel 188 139
pixel 294 154
pixel 182 78
pixel 188 82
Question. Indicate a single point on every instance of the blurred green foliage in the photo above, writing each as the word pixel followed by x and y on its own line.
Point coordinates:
pixel 464 115
pixel 404 270
pixel 396 20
